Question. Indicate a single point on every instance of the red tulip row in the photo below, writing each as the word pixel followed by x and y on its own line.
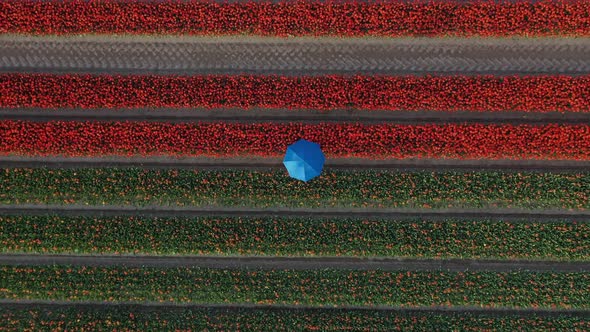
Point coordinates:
pixel 395 18
pixel 468 141
pixel 437 93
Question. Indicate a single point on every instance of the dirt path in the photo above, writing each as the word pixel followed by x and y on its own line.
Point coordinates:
pixel 293 56
pixel 159 211
pixel 260 163
pixel 157 306
pixel 286 115
pixel 307 263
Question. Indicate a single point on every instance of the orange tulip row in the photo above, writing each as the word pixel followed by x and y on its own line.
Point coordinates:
pixel 283 236
pixel 133 318
pixel 521 289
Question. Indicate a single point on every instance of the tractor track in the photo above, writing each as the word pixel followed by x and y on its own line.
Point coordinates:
pixel 97 54
pixel 294 263
pixel 158 306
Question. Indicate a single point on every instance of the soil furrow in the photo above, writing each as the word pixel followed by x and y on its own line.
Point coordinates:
pixel 272 263
pixel 159 211
pixel 255 163
pixel 156 306
pixel 287 115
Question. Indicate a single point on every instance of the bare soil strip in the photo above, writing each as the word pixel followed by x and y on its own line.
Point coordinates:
pixel 293 263
pixel 260 163
pixel 293 56
pixel 157 306
pixel 286 115
pixel 159 211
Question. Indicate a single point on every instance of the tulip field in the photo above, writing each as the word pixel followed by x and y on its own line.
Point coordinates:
pixel 142 185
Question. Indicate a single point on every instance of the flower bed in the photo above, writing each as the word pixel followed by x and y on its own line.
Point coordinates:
pixel 127 318
pixel 366 188
pixel 281 236
pixel 375 141
pixel 435 93
pixel 286 18
pixel 311 287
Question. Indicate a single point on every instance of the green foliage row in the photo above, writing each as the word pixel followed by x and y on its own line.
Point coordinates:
pixel 129 318
pixel 307 287
pixel 282 236
pixel 367 188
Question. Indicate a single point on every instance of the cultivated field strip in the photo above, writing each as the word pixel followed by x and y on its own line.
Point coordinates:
pixel 297 56
pixel 314 287
pixel 273 263
pixel 159 211
pixel 254 115
pixel 273 163
pixel 281 317
pixel 564 240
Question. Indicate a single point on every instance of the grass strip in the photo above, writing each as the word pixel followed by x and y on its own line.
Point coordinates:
pixel 282 236
pixel 308 287
pixel 127 318
pixel 238 188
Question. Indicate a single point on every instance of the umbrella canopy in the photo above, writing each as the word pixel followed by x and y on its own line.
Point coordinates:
pixel 304 160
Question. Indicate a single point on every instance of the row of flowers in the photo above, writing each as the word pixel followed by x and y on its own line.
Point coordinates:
pixel 375 141
pixel 311 287
pixel 435 93
pixel 282 236
pixel 274 188
pixel 286 18
pixel 129 318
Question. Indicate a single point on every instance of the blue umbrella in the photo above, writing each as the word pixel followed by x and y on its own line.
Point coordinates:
pixel 304 160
